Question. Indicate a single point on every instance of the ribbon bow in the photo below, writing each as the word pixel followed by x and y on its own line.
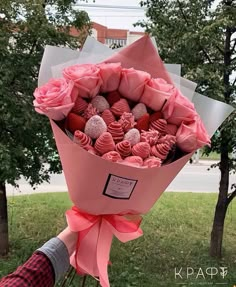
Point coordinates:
pixel 95 238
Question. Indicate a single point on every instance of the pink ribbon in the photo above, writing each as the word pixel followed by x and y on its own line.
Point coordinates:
pixel 95 238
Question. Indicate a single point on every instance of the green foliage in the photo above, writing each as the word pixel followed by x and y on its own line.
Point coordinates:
pixel 176 235
pixel 26 142
pixel 201 36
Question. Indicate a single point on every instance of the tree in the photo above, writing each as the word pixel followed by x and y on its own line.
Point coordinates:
pixel 27 147
pixel 201 36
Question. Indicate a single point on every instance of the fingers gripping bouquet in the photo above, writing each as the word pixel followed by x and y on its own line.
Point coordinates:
pixel 123 132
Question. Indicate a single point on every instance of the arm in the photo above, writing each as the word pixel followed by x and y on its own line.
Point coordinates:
pixel 46 265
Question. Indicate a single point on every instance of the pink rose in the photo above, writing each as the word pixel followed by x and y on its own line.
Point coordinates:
pixel 156 93
pixel 178 109
pixel 192 135
pixel 132 83
pixel 86 77
pixel 110 74
pixel 54 99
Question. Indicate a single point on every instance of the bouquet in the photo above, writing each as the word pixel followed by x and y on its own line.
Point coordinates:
pixel 123 131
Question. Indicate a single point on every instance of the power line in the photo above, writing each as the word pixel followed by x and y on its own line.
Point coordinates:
pixel 110 6
pixel 95 10
pixel 116 16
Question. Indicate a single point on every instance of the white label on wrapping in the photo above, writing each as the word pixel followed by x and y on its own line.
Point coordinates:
pixel 119 187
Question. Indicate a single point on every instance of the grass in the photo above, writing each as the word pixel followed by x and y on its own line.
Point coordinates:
pixel 176 234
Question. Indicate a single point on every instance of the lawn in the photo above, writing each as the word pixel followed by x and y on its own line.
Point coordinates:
pixel 176 235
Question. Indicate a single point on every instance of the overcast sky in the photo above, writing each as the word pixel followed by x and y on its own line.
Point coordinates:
pixel 122 16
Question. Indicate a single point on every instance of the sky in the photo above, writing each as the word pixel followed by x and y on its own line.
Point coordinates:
pixel 121 16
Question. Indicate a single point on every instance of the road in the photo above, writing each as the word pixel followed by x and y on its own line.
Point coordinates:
pixel 192 178
pixel 197 178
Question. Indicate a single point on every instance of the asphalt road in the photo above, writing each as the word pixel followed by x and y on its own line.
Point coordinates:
pixel 192 178
pixel 197 178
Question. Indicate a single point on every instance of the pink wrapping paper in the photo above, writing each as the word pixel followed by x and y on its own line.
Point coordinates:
pixel 93 183
pixel 87 175
pixel 142 55
pixel 103 188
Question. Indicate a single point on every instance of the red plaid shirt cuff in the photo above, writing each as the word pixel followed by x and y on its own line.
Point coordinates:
pixel 36 272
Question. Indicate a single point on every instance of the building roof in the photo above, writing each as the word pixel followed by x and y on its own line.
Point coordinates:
pixel 103 33
pixel 110 31
pixel 113 33
pixel 116 33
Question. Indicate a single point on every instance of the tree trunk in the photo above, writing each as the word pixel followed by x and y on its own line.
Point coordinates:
pixel 4 242
pixel 222 203
pixel 217 232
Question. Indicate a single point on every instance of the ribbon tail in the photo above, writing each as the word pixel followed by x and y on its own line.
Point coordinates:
pixel 87 226
pixel 86 256
pixel 125 237
pixel 103 251
pixel 81 236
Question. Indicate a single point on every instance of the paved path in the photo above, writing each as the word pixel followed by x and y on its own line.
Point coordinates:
pixel 197 178
pixel 192 178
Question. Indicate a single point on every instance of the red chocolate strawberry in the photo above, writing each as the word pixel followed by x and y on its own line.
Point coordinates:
pixel 143 122
pixel 113 97
pixel 156 116
pixel 80 106
pixel 75 122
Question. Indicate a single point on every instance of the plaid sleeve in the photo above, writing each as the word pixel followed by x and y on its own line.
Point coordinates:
pixel 36 272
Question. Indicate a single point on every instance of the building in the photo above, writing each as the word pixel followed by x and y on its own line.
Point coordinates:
pixel 109 37
pixel 118 37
